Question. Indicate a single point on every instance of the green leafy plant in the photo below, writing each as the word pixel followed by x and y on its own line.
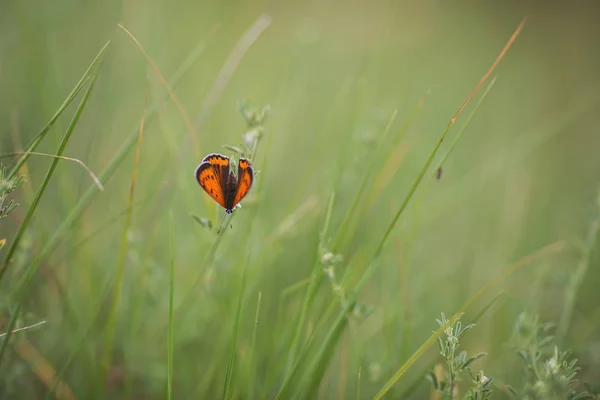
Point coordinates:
pixel 458 363
pixel 549 373
pixel 8 185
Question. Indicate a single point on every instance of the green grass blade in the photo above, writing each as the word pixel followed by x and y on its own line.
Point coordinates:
pixel 119 156
pixel 74 348
pixel 577 277
pixel 373 265
pixel 315 281
pixel 238 313
pixel 120 270
pixel 106 174
pixel 358 384
pixel 253 346
pixel 31 270
pixel 365 178
pixel 34 143
pixel 317 368
pixel 171 301
pixel 82 81
pixel 462 130
pixel 345 226
pixel 418 381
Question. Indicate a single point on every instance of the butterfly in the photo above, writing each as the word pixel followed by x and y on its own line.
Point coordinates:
pixel 221 184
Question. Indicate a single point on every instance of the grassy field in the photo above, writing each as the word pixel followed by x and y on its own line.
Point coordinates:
pixel 362 227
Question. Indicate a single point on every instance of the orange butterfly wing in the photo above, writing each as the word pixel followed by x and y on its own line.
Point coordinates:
pixel 212 175
pixel 245 178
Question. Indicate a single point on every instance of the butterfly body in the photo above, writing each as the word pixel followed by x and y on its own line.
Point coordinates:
pixel 216 178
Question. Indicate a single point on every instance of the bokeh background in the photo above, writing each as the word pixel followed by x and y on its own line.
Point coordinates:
pixel 525 174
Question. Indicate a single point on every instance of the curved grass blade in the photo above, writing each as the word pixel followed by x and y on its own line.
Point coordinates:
pixel 114 163
pixel 32 267
pixel 35 142
pixel 78 86
pixel 464 127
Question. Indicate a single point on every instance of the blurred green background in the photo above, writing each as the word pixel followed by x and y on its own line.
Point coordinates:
pixel 526 174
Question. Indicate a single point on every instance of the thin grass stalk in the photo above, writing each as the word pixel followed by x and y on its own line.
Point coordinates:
pixel 371 269
pixel 316 370
pixel 315 281
pixel 106 174
pixel 117 159
pixel 364 180
pixel 171 301
pixel 462 130
pixel 253 347
pixel 373 264
pixel 11 250
pixel 238 313
pixel 358 384
pixel 31 269
pixel 78 86
pixel 172 95
pixel 112 316
pixel 287 382
pixel 577 277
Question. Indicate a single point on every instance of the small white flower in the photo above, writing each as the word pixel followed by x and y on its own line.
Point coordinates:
pixel 327 257
pixel 251 137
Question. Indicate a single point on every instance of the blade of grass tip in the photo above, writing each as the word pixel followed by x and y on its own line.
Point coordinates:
pixel 171 300
pixel 114 307
pixel 377 181
pixel 116 160
pixel 543 252
pixel 109 170
pixel 80 84
pixel 253 347
pixel 577 278
pixel 31 269
pixel 238 313
pixel 315 281
pixel 487 307
pixel 35 142
pixel 170 90
pixel 364 180
pixel 373 265
pixel 88 169
pixel 464 127
pixel 230 66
